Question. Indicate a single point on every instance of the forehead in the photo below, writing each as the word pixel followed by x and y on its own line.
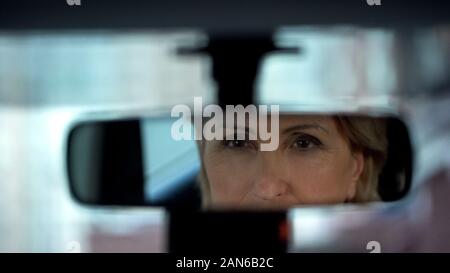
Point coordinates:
pixel 326 121
pixel 287 121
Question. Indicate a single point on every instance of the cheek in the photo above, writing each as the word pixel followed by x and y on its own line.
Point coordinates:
pixel 320 178
pixel 229 178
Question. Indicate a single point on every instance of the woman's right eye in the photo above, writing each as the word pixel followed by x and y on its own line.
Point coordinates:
pixel 237 144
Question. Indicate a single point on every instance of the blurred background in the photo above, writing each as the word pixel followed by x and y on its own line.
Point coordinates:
pixel 48 79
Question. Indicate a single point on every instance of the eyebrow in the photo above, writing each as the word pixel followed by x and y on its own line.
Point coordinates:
pixel 236 128
pixel 304 127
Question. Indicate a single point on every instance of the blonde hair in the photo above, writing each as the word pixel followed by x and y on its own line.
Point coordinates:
pixel 366 135
pixel 363 134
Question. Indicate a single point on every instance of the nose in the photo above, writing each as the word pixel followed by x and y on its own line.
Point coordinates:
pixel 269 183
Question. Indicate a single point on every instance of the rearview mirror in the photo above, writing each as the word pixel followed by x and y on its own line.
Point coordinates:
pixel 319 159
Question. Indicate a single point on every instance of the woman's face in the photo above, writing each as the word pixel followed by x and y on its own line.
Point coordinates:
pixel 312 165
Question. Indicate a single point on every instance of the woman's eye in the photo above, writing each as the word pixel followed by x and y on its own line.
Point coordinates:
pixel 236 143
pixel 306 142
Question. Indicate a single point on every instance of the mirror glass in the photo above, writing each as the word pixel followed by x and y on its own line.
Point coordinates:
pixel 283 161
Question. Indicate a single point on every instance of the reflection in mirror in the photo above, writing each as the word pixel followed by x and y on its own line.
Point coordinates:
pixel 132 162
pixel 318 159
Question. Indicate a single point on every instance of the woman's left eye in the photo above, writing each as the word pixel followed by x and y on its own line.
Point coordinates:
pixel 306 142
